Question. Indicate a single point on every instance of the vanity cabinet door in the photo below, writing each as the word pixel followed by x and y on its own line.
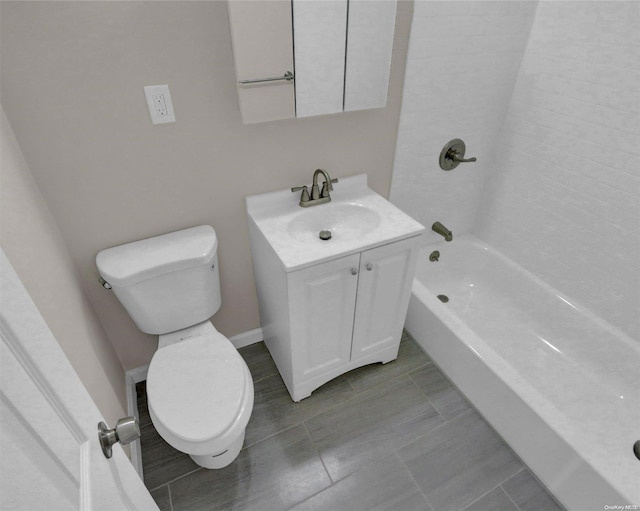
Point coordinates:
pixel 322 302
pixel 384 289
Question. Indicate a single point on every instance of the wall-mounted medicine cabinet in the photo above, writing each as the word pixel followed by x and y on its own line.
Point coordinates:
pixel 299 58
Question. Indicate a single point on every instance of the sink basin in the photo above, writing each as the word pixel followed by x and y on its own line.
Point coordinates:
pixel 357 217
pixel 345 221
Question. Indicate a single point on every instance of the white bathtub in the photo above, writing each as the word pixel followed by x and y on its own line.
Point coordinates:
pixel 559 384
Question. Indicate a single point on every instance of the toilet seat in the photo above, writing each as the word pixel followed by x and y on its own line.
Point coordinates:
pixel 198 390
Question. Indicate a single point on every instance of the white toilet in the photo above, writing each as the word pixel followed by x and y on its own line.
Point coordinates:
pixel 199 389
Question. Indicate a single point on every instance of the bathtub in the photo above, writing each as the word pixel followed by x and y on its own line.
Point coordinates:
pixel 559 384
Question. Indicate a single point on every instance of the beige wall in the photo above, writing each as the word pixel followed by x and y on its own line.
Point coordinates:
pixel 72 86
pixel 32 242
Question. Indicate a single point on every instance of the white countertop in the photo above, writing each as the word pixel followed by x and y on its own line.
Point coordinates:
pixel 274 214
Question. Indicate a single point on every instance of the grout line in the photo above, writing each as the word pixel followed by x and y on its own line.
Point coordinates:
pixel 332 407
pixel 552 126
pixel 287 428
pixel 488 492
pixel 509 496
pixel 175 479
pixel 544 158
pixel 264 378
pixel 170 498
pixel 323 465
pixel 508 479
pixel 415 383
pixel 455 389
pixel 568 81
pixel 395 453
pixel 302 422
pixel 275 369
pixel 315 448
pixel 446 423
pixel 375 387
pixel 352 387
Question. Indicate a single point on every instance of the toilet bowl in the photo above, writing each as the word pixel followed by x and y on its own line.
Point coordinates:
pixel 200 395
pixel 199 389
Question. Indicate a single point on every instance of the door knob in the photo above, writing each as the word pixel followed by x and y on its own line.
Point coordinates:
pixel 126 431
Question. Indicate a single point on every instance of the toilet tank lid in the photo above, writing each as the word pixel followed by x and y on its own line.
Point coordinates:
pixel 140 260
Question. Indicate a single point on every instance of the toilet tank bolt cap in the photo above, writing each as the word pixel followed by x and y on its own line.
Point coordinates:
pixel 104 283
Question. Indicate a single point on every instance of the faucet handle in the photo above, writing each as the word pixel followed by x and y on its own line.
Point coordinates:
pixel 305 192
pixel 326 187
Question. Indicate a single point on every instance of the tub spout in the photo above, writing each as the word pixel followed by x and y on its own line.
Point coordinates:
pixel 442 231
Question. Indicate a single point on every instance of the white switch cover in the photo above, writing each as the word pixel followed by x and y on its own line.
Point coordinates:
pixel 159 103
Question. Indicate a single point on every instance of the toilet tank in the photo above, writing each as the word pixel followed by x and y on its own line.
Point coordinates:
pixel 168 282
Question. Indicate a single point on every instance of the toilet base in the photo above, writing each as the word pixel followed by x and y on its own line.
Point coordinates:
pixel 222 459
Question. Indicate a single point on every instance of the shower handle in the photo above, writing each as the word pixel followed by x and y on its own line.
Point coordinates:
pixel 456 157
pixel 452 154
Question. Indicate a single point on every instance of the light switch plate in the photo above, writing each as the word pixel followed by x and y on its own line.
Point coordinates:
pixel 159 103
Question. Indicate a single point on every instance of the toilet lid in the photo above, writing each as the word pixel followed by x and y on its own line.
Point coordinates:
pixel 196 387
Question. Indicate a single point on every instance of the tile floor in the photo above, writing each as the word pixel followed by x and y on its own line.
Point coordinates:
pixel 390 437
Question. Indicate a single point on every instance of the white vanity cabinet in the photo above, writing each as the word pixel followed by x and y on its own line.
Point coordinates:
pixel 347 313
pixel 330 306
pixel 324 320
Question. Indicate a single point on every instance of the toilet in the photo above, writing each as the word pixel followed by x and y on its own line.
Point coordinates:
pixel 199 388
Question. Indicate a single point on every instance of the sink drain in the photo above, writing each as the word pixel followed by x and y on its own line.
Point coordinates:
pixel 325 235
pixel 443 298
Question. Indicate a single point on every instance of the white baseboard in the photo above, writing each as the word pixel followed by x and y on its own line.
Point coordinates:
pixel 132 377
pixel 247 338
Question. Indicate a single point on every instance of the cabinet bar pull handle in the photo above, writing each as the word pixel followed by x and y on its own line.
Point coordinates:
pixel 288 76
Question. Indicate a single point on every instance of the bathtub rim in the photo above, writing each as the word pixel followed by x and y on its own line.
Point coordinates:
pixel 537 404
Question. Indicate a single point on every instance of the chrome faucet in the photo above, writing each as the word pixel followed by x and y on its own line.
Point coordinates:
pixel 317 196
pixel 442 231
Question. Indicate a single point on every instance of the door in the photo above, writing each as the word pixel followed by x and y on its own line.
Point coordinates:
pixel 322 303
pixel 50 457
pixel 384 289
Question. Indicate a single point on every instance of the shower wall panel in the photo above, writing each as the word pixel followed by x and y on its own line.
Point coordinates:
pixel 461 69
pixel 564 199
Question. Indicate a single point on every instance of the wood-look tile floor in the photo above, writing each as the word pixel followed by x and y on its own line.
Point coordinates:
pixel 392 437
